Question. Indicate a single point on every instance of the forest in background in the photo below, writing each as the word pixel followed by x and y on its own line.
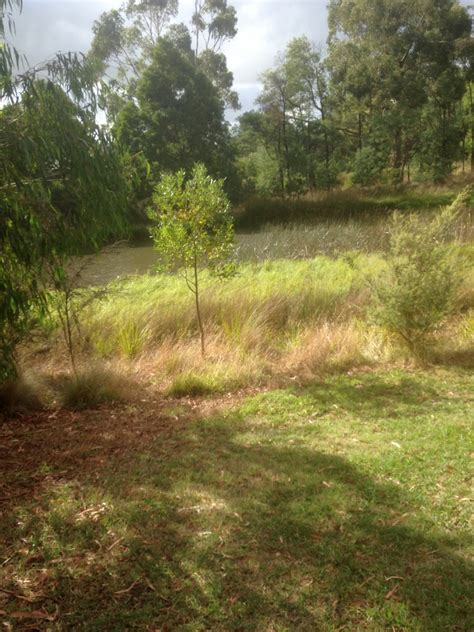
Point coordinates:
pixel 387 99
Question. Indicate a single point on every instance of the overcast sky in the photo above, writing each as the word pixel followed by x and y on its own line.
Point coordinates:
pixel 264 28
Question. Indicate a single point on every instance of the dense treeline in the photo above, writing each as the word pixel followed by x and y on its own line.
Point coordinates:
pixel 391 98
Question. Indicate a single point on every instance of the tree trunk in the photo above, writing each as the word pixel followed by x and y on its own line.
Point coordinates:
pixel 287 149
pixel 397 160
pixel 198 307
pixel 280 163
pixel 68 333
pixel 471 103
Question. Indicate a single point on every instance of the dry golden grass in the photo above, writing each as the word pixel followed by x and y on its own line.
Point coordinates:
pixel 240 356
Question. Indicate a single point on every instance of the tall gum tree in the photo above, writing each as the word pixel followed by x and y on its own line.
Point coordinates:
pixel 177 117
pixel 389 56
pixel 124 40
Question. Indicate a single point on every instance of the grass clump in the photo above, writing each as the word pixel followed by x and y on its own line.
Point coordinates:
pixel 193 384
pixel 332 348
pixel 19 395
pixel 90 388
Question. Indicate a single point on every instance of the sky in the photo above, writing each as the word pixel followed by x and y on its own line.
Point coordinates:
pixel 264 28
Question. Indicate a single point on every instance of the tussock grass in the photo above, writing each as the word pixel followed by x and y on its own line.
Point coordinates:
pixel 20 395
pixel 334 348
pixel 274 321
pixel 269 297
pixel 179 369
pixel 94 386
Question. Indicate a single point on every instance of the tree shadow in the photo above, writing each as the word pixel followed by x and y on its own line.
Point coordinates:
pixel 219 526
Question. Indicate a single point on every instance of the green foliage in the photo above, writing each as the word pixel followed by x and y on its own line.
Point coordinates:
pixel 417 292
pixel 396 77
pixel 61 186
pixel 177 118
pixel 367 166
pixel 61 192
pixel 391 101
pixel 193 227
pixel 125 38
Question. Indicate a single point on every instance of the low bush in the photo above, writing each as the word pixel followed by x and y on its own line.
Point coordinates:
pixel 425 270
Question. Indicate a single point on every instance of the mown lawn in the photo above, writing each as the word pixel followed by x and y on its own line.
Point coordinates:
pixel 341 505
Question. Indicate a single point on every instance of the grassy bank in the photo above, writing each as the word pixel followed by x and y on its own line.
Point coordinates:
pixel 340 505
pixel 273 322
pixel 355 204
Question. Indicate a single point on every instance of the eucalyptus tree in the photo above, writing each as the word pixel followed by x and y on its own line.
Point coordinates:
pixel 213 23
pixel 396 61
pixel 309 97
pixel 465 54
pixel 274 102
pixel 295 124
pixel 61 185
pixel 177 117
pixel 124 40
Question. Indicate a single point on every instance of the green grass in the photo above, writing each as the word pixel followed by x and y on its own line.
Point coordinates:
pixel 274 295
pixel 341 505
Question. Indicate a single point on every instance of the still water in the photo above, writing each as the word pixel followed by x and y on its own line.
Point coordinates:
pixel 114 263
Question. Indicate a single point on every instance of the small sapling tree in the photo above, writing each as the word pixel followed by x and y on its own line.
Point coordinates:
pixel 425 269
pixel 193 229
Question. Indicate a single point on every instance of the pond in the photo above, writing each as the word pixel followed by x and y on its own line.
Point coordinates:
pixel 271 242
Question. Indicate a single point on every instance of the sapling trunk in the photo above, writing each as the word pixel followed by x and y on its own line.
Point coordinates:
pixel 66 326
pixel 198 307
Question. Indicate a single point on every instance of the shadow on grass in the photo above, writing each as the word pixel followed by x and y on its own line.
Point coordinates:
pixel 218 526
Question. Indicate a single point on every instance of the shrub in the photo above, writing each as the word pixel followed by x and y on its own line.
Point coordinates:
pixel 193 229
pixel 367 166
pixel 417 291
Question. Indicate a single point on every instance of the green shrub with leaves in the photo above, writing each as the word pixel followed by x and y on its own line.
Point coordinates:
pixel 417 291
pixel 367 166
pixel 193 229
